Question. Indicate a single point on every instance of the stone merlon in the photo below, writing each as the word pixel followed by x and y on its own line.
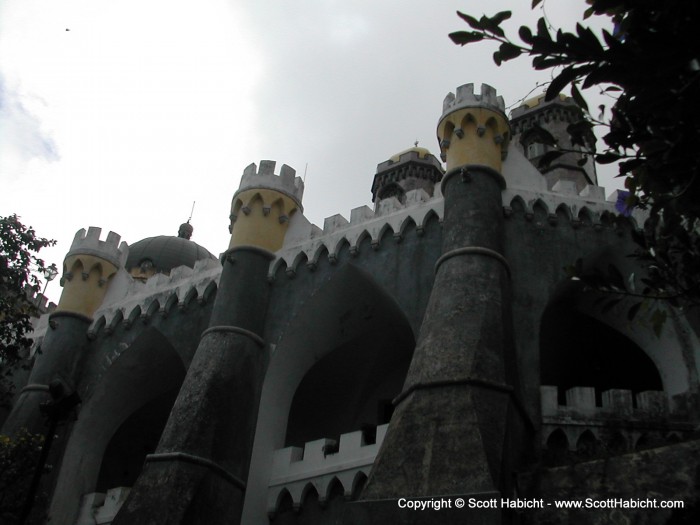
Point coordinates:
pixel 466 98
pixel 264 177
pixel 90 244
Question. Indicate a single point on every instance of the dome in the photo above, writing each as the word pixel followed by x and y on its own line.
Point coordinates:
pixel 421 153
pixel 163 253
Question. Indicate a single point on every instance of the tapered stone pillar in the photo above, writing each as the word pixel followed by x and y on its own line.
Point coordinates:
pixel 199 472
pixel 449 430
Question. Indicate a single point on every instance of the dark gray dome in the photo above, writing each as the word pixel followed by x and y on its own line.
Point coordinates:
pixel 166 252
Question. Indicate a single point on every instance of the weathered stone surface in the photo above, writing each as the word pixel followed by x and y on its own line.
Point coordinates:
pixel 628 477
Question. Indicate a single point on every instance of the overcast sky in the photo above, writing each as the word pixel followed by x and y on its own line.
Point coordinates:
pixel 120 114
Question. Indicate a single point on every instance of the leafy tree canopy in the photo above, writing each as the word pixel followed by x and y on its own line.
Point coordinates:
pixel 647 60
pixel 19 269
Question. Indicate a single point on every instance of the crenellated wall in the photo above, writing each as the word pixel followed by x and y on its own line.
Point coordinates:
pixel 623 422
pixel 318 464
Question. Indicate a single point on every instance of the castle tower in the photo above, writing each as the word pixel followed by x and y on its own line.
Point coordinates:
pixel 88 269
pixel 414 168
pixel 448 433
pixel 199 472
pixel 263 205
pixel 537 123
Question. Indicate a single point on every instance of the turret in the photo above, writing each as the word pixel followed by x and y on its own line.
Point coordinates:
pixel 473 129
pixel 263 205
pixel 414 168
pixel 200 468
pixel 87 270
pixel 537 123
pixel 461 373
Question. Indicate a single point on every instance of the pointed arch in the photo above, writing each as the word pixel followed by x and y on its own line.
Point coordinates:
pixel 540 209
pixel 518 205
pixel 300 261
pixel 585 216
pixel 563 213
pixel 557 441
pixel 587 444
pixel 387 229
pixel 209 293
pixel 408 225
pixel 358 483
pixel 145 376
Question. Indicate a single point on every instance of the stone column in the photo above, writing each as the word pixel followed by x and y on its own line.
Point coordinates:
pixel 449 430
pixel 87 271
pixel 199 472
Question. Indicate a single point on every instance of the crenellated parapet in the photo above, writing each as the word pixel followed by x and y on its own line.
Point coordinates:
pixel 414 168
pixel 158 296
pixel 318 464
pixel 564 204
pixel 263 205
pixel 307 243
pixel 473 129
pixel 621 420
pixel 88 268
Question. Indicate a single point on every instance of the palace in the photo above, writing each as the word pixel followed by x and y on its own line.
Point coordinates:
pixel 429 347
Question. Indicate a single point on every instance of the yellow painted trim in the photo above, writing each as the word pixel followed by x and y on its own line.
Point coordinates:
pixel 85 282
pixel 485 134
pixel 260 217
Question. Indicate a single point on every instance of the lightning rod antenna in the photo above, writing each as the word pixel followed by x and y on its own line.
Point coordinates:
pixel 191 212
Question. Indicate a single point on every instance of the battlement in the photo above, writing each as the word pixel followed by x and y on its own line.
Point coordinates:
pixel 620 403
pixel 39 300
pixel 466 98
pixel 89 243
pixel 624 421
pixel 264 177
pixel 321 462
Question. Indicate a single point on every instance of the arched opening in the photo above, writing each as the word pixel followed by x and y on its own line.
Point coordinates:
pixel 556 448
pixel 587 445
pixel 137 437
pixel 351 388
pixel 138 383
pixel 338 364
pixel 577 349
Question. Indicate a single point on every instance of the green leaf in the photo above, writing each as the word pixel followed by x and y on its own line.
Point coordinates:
pixel 465 37
pixel 473 22
pixel 500 17
pixel 567 75
pixel 525 34
pixel 607 158
pixel 548 158
pixel 508 51
pixel 491 25
pixel 578 98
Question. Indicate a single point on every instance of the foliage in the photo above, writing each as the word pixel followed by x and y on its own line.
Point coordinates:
pixel 647 61
pixel 18 458
pixel 19 267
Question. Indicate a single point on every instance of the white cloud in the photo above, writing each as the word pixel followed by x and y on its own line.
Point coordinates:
pixel 152 105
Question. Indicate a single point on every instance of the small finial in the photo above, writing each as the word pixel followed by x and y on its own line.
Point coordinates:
pixel 185 231
pixel 415 143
